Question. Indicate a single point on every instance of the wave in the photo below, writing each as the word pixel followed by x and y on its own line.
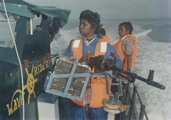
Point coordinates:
pixel 143 33
pixel 68 35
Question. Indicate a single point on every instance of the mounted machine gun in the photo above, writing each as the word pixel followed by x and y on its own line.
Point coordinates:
pixel 128 98
pixel 102 63
pixel 70 78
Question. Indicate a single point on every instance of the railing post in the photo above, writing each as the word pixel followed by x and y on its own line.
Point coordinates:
pixel 127 94
pixel 142 112
pixel 132 103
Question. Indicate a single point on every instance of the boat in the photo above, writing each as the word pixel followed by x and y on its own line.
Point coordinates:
pixel 30 83
pixel 26 59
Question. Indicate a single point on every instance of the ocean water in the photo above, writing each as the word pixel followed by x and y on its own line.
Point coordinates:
pixel 154 53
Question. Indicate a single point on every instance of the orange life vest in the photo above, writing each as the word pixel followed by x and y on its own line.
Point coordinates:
pixel 98 85
pixel 118 48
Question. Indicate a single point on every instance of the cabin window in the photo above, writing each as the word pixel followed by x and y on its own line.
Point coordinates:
pixel 5 34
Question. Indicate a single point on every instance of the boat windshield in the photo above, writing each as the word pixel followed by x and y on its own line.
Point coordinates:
pixel 5 34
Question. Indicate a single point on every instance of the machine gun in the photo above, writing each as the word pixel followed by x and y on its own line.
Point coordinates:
pixel 123 101
pixel 102 63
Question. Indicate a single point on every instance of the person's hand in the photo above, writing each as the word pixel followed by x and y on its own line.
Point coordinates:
pixel 97 62
pixel 86 58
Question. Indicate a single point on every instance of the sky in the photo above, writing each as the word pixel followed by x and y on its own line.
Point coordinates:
pixel 113 9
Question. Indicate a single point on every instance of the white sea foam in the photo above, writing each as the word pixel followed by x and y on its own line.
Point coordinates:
pixel 142 33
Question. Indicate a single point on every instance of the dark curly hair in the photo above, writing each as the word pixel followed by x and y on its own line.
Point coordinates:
pixel 102 31
pixel 128 26
pixel 93 18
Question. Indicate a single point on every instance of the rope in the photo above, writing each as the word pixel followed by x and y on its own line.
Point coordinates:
pixel 21 70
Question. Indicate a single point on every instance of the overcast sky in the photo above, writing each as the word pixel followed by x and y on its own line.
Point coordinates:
pixel 113 8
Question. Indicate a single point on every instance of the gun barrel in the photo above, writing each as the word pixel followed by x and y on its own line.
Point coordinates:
pixel 157 85
pixel 150 82
pixel 134 75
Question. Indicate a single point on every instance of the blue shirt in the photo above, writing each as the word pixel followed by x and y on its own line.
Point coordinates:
pixel 92 46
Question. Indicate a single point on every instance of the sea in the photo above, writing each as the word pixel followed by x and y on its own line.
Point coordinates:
pixel 154 53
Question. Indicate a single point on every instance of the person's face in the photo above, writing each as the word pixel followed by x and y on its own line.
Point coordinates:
pixel 85 28
pixel 123 31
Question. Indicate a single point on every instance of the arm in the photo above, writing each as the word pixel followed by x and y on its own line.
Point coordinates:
pixel 129 62
pixel 52 36
pixel 127 48
pixel 68 51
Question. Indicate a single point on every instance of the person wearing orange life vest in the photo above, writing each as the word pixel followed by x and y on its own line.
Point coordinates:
pixel 91 107
pixel 126 47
